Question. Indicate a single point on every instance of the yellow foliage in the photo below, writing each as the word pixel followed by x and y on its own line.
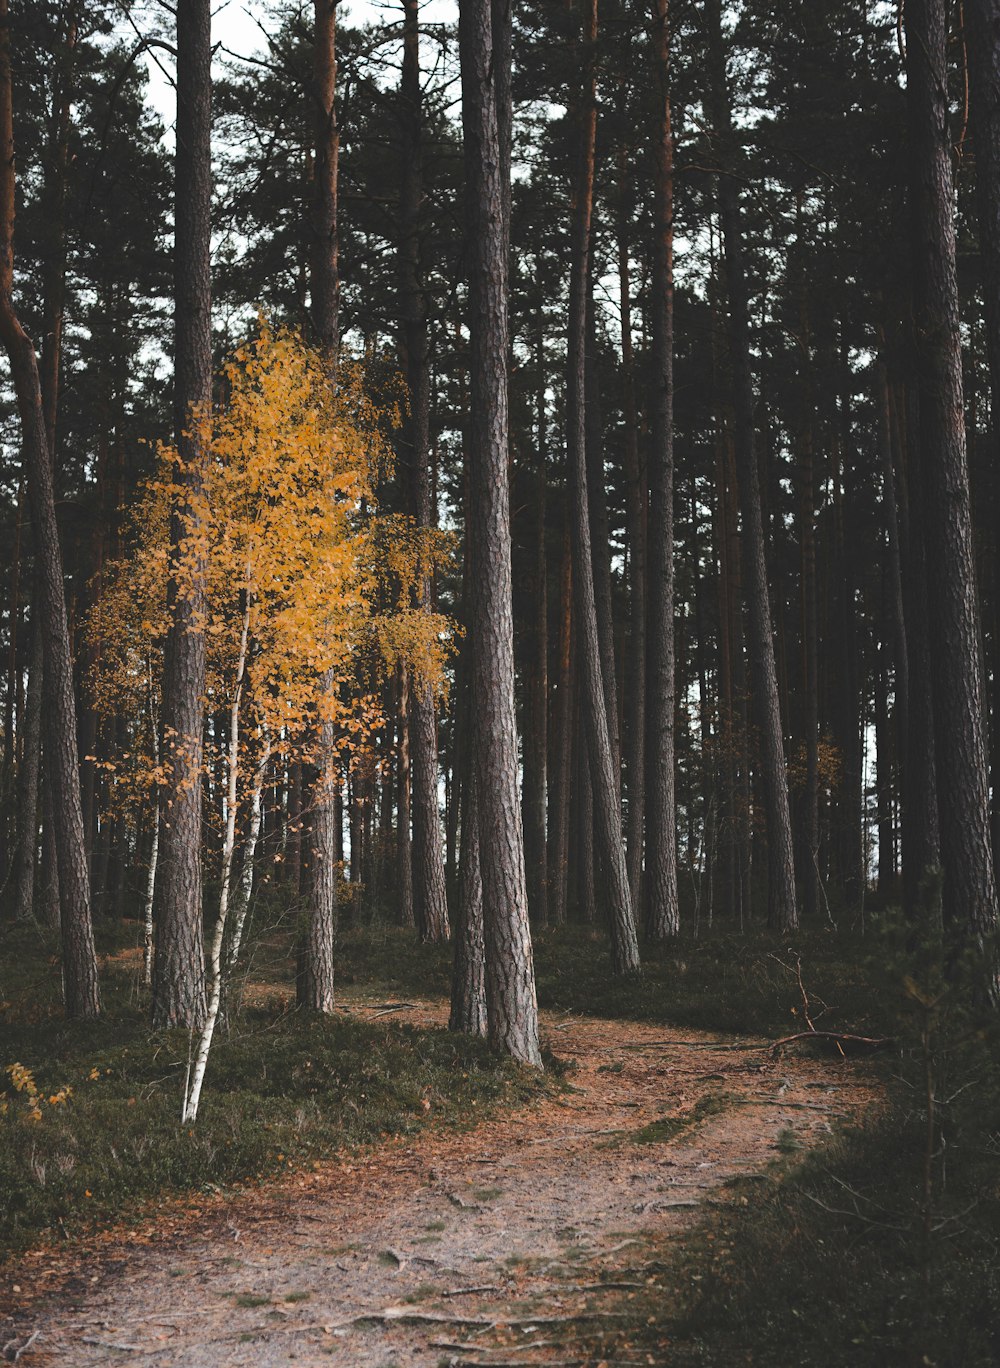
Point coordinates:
pixel 22 1082
pixel 286 531
pixel 829 767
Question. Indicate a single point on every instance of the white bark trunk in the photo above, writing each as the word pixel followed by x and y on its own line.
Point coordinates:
pixel 244 885
pixel 192 1092
pixel 147 935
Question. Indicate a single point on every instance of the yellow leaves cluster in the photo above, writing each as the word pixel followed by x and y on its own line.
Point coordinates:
pixel 22 1082
pixel 285 533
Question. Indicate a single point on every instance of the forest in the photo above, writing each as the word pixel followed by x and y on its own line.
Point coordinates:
pixel 500 682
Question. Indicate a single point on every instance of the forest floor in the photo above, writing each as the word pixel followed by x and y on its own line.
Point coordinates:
pixel 565 1232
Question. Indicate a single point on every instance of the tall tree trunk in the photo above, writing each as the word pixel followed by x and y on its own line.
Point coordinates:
pixel 983 20
pixel 9 774
pixel 969 892
pixel 324 280
pixel 404 861
pixel 79 959
pixel 484 44
pixel 583 862
pixel 782 908
pixel 662 910
pixel 535 749
pixel 27 777
pixel 600 533
pixel 50 909
pixel 635 532
pixel 562 760
pixel 179 965
pixel 429 890
pixel 885 755
pixel 315 987
pixel 604 779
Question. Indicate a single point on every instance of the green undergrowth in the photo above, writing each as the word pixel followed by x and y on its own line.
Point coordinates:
pixel 827 1263
pixel 722 981
pixel 881 1248
pixel 91 1127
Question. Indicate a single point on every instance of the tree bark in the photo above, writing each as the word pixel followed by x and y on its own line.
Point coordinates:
pixel 429 889
pixel 662 910
pixel 536 688
pixel 179 964
pixel 604 779
pixel 324 283
pixel 635 531
pixel 79 959
pixel 559 793
pixel 484 44
pixel 468 984
pixel 982 18
pixel 315 982
pixel 27 778
pixel 404 849
pixel 969 895
pixel 600 533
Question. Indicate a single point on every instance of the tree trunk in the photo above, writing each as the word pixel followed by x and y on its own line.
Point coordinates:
pixel 662 910
pixel 429 891
pixel 536 690
pixel 559 793
pixel 783 912
pixel 324 282
pixel 604 779
pixel 404 848
pixel 583 862
pixel 468 985
pixel 600 534
pixel 635 531
pixel 969 892
pixel 79 959
pixel 315 982
pixel 484 43
pixel 982 18
pixel 27 779
pixel 179 965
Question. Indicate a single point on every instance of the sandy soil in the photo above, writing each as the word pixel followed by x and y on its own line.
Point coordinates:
pixel 504 1245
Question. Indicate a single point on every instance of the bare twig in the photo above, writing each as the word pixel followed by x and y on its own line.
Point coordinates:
pixel 697 1045
pixel 839 1038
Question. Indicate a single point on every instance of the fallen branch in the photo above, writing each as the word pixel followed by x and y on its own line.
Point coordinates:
pixel 836 1038
pixel 696 1045
pixel 111 1344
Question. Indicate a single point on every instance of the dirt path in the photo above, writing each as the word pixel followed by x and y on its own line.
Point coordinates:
pixel 491 1247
